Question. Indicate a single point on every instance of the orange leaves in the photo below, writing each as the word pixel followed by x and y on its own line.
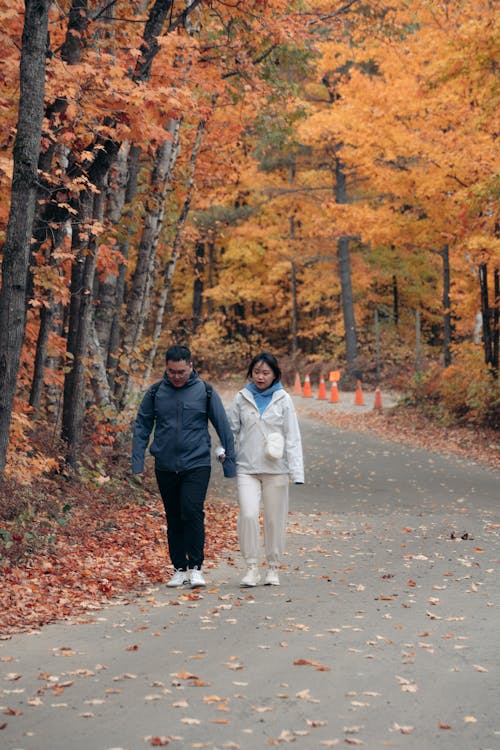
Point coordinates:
pixel 312 663
pixel 112 559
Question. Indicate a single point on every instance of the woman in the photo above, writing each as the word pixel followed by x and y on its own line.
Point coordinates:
pixel 262 416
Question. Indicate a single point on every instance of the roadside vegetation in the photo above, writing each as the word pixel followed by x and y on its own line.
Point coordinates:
pixel 236 177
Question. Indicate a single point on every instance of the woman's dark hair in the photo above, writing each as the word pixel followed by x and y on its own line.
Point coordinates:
pixel 270 360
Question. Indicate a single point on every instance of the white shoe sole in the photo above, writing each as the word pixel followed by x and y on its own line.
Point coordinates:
pixel 250 585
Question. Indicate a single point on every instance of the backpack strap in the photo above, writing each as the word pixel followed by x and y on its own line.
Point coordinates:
pixel 153 389
pixel 209 390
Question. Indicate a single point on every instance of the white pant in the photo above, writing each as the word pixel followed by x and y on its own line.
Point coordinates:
pixel 272 489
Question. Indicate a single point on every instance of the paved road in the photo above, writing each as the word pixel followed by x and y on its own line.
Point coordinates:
pixel 384 632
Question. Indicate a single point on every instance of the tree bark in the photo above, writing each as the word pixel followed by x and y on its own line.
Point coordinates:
pixel 169 268
pixel 199 267
pixel 445 255
pixel 78 343
pixel 138 298
pixel 16 250
pixel 395 299
pixel 106 290
pixel 99 379
pixel 112 363
pixel 485 309
pixel 496 322
pixel 344 257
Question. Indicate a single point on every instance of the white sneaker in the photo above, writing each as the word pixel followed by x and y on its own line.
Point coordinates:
pixel 196 578
pixel 179 578
pixel 272 577
pixel 251 577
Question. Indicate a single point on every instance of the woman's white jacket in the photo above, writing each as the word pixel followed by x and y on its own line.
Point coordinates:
pixel 250 427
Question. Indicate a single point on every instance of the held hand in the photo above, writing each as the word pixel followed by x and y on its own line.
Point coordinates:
pixel 220 453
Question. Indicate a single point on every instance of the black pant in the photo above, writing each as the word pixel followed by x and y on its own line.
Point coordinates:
pixel 183 495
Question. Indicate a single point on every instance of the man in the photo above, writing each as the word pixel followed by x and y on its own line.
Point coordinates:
pixel 179 407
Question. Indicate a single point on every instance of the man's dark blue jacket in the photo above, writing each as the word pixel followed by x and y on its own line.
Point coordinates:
pixel 181 438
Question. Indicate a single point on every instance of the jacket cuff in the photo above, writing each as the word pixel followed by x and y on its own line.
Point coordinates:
pixel 229 467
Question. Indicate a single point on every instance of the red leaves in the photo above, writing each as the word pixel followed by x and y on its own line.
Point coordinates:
pixel 102 551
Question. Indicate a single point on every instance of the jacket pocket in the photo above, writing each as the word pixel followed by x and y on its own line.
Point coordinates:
pixel 193 418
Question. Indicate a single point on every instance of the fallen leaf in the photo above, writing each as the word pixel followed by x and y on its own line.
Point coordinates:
pixel 183 675
pixel 403 729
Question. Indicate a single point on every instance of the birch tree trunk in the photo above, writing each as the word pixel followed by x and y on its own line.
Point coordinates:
pixel 16 250
pixel 78 343
pixel 112 361
pixel 106 290
pixel 169 268
pixel 138 299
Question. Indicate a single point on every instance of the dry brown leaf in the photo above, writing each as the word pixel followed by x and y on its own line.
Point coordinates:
pixel 184 675
pixel 403 729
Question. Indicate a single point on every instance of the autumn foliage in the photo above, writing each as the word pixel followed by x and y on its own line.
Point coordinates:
pixel 316 179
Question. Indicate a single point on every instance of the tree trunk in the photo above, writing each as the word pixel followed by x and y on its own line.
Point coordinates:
pixel 46 317
pixel 496 322
pixel 293 275
pixel 16 251
pixel 75 383
pixel 211 274
pixel 169 268
pixel 418 342
pixel 99 380
pixel 395 300
pixel 106 290
pixel 445 255
pixel 344 257
pixel 138 301
pixel 199 267
pixel 485 309
pixel 124 246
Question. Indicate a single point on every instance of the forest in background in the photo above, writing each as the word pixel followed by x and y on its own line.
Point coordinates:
pixel 312 178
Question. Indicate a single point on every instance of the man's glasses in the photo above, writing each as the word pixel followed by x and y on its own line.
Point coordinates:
pixel 177 373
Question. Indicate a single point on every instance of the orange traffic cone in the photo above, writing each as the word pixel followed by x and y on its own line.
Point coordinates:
pixel 322 388
pixel 297 388
pixel 334 394
pixel 377 404
pixel 307 393
pixel 358 398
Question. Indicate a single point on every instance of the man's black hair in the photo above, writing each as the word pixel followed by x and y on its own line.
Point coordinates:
pixel 176 353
